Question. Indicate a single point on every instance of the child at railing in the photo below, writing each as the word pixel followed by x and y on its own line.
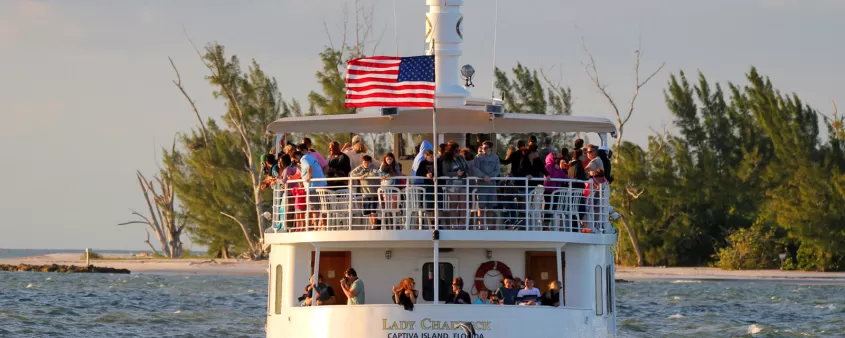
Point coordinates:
pixel 297 192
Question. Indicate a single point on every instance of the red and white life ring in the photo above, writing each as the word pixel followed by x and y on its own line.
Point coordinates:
pixel 484 268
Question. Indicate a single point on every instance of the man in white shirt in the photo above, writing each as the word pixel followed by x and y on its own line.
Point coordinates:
pixel 529 295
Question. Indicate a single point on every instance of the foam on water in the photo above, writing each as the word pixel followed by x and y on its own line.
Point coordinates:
pixel 100 305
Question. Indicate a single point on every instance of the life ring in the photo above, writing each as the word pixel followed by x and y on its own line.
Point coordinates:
pixel 484 268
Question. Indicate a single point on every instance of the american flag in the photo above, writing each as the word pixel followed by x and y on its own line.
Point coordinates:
pixel 387 81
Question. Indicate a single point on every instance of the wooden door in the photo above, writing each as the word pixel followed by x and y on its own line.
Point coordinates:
pixel 541 265
pixel 332 266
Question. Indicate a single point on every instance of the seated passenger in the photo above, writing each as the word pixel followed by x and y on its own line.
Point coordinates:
pixel 507 294
pixel 529 295
pixel 483 297
pixel 458 295
pixel 552 297
pixel 404 294
pixel 324 294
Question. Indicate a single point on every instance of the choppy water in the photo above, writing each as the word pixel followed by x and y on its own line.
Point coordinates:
pixel 144 305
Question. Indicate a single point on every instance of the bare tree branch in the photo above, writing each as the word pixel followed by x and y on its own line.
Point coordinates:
pixel 135 222
pixel 240 125
pixel 243 228
pixel 150 244
pixel 178 83
pixel 592 72
pixel 632 191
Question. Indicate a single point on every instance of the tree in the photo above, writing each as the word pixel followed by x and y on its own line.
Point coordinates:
pixel 525 93
pixel 164 219
pixel 217 180
pixel 592 71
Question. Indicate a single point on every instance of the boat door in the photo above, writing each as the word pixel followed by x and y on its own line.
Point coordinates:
pixel 541 265
pixel 332 266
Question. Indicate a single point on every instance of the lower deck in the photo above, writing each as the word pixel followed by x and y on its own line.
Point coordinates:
pixel 584 270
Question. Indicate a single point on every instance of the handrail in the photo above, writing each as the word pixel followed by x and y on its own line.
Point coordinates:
pixel 500 203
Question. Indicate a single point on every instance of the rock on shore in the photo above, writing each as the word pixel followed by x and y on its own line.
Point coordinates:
pixel 59 268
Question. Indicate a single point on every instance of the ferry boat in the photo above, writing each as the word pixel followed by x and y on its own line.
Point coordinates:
pixel 432 231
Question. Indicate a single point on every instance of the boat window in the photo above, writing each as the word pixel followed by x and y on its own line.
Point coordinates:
pixel 599 290
pixel 278 291
pixel 447 272
pixel 609 289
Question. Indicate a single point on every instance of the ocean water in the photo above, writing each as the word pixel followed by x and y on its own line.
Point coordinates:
pixel 149 305
pixel 15 253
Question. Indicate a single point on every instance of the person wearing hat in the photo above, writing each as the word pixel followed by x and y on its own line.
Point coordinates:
pixel 353 287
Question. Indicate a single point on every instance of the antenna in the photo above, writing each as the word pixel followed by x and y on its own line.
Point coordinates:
pixel 395 34
pixel 495 31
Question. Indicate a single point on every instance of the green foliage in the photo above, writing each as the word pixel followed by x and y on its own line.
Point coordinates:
pixel 747 173
pixel 756 247
pixel 525 93
pixel 221 176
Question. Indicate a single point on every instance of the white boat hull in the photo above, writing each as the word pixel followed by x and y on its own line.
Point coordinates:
pixel 436 321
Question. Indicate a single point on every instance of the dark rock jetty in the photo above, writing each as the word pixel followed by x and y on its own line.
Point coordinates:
pixel 59 268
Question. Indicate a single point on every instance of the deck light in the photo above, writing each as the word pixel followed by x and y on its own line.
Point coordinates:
pixel 466 73
pixel 388 254
pixel 489 254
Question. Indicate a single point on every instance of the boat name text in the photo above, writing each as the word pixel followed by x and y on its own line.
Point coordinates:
pixel 431 324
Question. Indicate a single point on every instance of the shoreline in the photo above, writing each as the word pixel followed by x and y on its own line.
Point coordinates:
pixel 241 267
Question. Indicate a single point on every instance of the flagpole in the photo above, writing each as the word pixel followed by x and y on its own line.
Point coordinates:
pixel 435 146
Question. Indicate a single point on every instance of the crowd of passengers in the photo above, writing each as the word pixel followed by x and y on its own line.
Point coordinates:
pixel 513 291
pixel 523 160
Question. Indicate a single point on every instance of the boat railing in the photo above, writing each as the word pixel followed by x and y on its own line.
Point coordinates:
pixel 408 203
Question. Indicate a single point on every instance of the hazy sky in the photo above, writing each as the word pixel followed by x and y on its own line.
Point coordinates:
pixel 86 96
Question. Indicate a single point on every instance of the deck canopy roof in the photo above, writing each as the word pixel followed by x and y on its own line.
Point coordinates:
pixel 449 120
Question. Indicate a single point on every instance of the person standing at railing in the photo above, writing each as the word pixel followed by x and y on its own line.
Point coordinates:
pixel 366 172
pixel 309 150
pixel 425 170
pixel 554 172
pixel 312 169
pixel 597 177
pixel 454 166
pixel 487 167
pixel 339 165
pixel 420 159
pixel 355 151
pixel 526 169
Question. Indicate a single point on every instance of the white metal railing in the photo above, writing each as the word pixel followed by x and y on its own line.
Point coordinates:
pixel 398 203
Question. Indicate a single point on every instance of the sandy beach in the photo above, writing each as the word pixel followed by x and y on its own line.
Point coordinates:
pixel 151 265
pixel 241 267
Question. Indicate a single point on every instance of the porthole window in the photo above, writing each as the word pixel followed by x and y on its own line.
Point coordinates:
pixel 447 272
pixel 599 290
pixel 278 291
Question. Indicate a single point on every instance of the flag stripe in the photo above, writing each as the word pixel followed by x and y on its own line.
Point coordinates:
pixel 389 96
pixel 392 91
pixel 374 85
pixel 391 100
pixel 363 68
pixel 373 76
pixel 388 81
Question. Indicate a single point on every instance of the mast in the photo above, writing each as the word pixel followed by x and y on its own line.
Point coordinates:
pixel 444 37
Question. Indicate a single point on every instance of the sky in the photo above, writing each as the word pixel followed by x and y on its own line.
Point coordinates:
pixel 86 97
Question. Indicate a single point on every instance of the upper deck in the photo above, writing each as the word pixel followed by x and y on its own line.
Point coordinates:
pixel 470 212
